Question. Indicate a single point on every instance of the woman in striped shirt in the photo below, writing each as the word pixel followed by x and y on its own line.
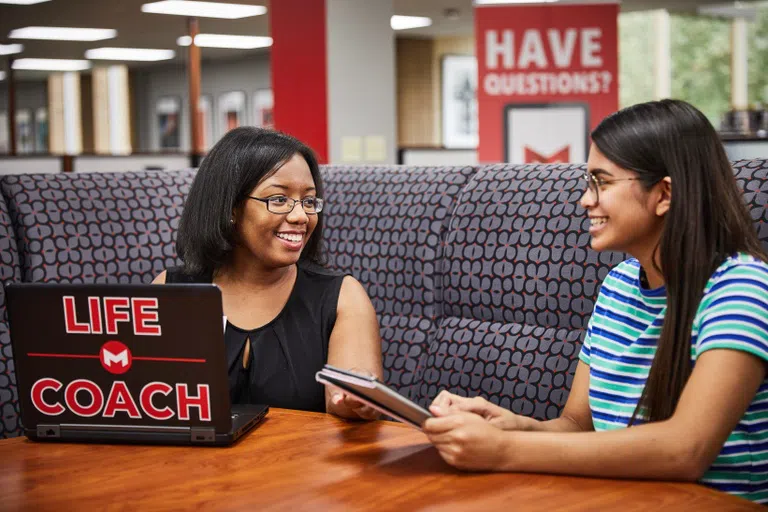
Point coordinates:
pixel 677 346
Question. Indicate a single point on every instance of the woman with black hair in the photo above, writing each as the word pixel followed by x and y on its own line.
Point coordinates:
pixel 252 225
pixel 677 345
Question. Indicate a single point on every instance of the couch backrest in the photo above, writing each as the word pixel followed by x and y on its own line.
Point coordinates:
pixel 99 227
pixel 752 177
pixel 9 273
pixel 519 284
pixel 482 279
pixel 385 226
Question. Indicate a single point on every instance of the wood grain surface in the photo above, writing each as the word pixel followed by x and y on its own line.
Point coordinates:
pixel 309 461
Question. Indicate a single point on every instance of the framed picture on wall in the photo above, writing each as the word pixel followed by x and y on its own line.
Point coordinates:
pixel 25 142
pixel 263 102
pixel 231 111
pixel 41 130
pixel 459 101
pixel 546 133
pixel 168 112
pixel 205 107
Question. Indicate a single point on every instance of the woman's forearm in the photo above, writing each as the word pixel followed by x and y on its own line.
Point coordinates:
pixel 653 451
pixel 561 424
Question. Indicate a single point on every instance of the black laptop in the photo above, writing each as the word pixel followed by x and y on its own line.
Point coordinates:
pixel 124 363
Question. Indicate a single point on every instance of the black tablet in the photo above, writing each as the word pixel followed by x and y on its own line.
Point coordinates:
pixel 371 391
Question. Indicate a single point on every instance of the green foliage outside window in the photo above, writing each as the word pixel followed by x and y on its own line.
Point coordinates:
pixel 758 58
pixel 701 63
pixel 701 60
pixel 636 58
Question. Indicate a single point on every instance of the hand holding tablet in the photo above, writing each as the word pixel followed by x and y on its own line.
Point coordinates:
pixel 372 392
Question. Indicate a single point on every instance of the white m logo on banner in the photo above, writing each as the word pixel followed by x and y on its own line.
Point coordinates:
pixel 110 358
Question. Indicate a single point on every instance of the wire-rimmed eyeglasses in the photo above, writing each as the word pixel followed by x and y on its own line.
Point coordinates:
pixel 283 205
pixel 595 183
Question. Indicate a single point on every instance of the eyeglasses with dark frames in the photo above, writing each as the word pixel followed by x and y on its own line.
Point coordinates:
pixel 595 183
pixel 283 205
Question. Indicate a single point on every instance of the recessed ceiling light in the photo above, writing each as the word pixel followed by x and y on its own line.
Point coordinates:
pixel 226 41
pixel 499 2
pixel 23 2
pixel 51 64
pixel 143 54
pixel 406 22
pixel 63 33
pixel 204 9
pixel 10 49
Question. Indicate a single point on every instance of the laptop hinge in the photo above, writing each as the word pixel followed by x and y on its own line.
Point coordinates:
pixel 203 435
pixel 48 431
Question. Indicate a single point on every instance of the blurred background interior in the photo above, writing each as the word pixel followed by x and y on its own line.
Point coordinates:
pixel 117 98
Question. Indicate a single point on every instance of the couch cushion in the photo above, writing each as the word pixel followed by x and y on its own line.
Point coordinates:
pixel 517 265
pixel 385 226
pixel 752 178
pixel 526 369
pixel 9 273
pixel 100 227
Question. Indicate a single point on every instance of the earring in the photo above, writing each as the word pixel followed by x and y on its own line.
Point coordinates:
pixel 232 221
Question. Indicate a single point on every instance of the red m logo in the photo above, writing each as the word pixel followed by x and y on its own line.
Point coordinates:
pixel 559 157
pixel 115 357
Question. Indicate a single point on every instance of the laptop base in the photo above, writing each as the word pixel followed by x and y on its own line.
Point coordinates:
pixel 244 418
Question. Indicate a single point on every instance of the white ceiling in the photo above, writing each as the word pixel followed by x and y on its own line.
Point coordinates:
pixel 143 30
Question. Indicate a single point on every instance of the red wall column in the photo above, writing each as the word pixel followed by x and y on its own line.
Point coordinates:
pixel 299 71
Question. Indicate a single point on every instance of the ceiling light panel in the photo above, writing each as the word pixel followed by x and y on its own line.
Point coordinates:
pixel 204 9
pixel 134 54
pixel 511 2
pixel 406 22
pixel 10 49
pixel 51 64
pixel 226 41
pixel 63 33
pixel 22 2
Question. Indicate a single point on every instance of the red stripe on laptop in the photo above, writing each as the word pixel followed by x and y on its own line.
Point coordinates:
pixel 88 356
pixel 68 356
pixel 169 359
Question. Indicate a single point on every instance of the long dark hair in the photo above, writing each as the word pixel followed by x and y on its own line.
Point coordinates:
pixel 235 165
pixel 707 222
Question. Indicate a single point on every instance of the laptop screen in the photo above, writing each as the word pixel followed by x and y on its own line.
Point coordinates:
pixel 119 355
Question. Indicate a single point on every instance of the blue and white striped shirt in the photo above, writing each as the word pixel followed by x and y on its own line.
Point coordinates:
pixel 621 343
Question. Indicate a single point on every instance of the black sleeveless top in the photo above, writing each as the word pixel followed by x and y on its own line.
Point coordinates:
pixel 286 352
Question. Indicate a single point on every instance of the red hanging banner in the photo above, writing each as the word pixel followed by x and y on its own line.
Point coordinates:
pixel 547 76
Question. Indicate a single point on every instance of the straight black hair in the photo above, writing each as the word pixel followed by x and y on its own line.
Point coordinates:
pixel 237 163
pixel 706 223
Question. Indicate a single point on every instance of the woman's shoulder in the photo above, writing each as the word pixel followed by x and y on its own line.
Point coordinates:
pixel 179 275
pixel 318 272
pixel 628 271
pixel 740 268
pixel 743 263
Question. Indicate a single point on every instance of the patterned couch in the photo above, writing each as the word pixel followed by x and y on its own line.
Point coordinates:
pixel 482 277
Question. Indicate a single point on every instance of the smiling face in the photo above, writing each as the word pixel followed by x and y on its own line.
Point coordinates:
pixel 628 217
pixel 276 240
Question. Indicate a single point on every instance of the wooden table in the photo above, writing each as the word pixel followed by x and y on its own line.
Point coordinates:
pixel 308 461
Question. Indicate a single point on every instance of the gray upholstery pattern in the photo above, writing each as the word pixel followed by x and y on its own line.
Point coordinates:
pixel 482 279
pixel 752 179
pixel 9 273
pixel 519 286
pixel 100 227
pixel 385 226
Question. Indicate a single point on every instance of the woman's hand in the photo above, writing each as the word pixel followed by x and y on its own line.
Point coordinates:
pixel 467 441
pixel 348 406
pixel 446 404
